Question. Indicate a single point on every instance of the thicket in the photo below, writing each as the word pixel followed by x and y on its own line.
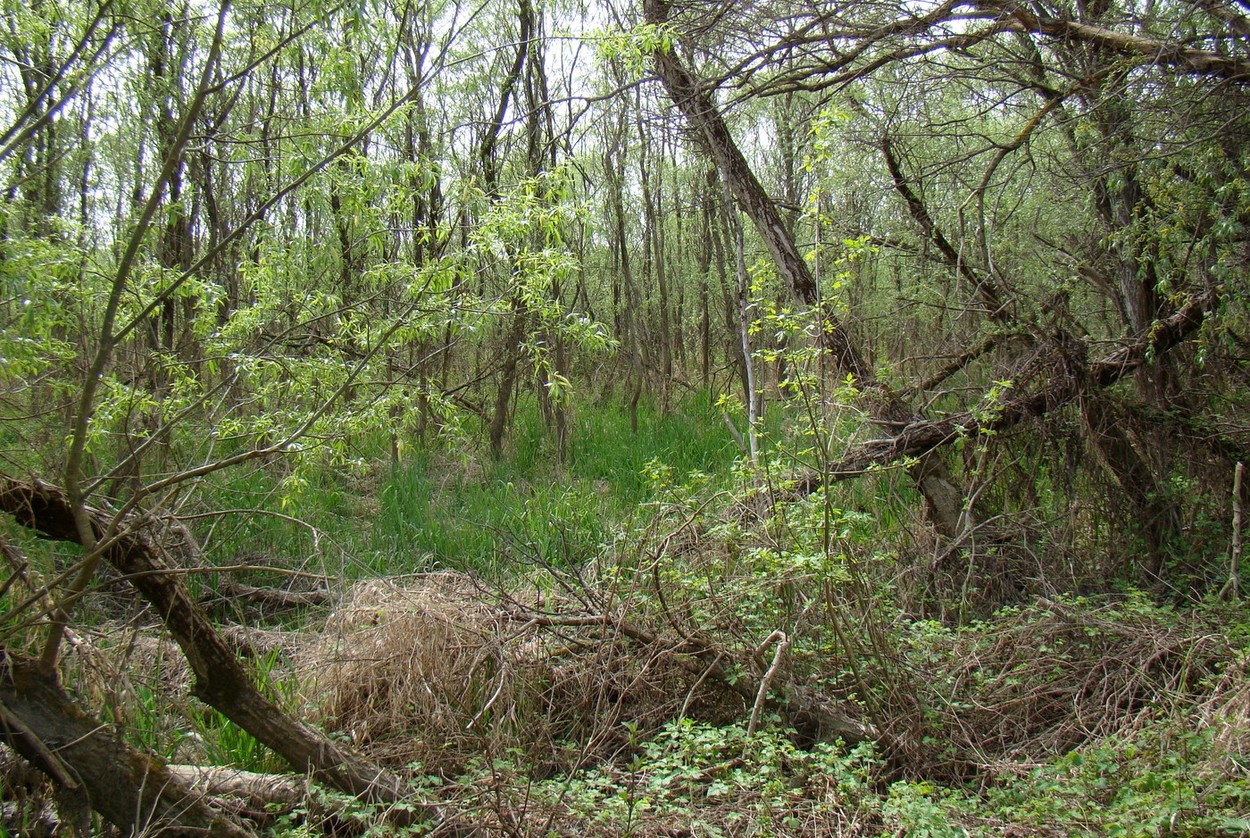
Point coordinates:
pixel 665 418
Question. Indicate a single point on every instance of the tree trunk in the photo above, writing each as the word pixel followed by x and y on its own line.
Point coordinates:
pixel 752 392
pixel 91 764
pixel 705 255
pixel 653 259
pixel 1150 505
pixel 920 438
pixel 943 499
pixel 220 680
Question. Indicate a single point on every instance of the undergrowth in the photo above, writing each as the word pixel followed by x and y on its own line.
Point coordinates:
pixel 530 509
pixel 1063 715
pixel 630 641
pixel 453 507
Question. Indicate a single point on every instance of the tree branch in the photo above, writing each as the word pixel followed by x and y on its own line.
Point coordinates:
pixel 220 680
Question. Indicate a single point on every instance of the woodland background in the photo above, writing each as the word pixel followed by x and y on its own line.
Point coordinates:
pixel 661 418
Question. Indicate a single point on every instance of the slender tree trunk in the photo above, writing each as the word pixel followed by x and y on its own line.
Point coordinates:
pixel 628 304
pixel 653 235
pixel 706 204
pixel 507 378
pixel 943 499
pixel 752 394
pixel 521 70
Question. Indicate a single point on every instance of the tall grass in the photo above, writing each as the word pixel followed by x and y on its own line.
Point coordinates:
pixel 457 508
pixel 529 507
pixel 691 439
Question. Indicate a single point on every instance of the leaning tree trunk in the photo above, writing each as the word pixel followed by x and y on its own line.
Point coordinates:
pixel 92 766
pixel 1072 382
pixel 944 500
pixel 220 680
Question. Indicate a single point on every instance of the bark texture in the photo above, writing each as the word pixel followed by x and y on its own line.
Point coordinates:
pixel 91 764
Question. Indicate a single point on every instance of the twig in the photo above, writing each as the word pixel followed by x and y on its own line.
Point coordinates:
pixel 690 693
pixel 783 643
pixel 503 675
pixel 1231 588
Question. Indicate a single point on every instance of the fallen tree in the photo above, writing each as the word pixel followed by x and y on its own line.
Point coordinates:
pixel 1064 374
pixel 219 679
pixel 93 767
pixel 260 797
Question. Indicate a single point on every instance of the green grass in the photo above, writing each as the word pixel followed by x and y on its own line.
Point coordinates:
pixel 528 508
pixel 691 439
pixel 457 508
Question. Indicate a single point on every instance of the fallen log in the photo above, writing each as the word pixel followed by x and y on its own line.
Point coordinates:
pixel 92 766
pixel 264 798
pixel 219 678
pixel 919 438
pixel 273 599
pixel 259 797
pixel 257 789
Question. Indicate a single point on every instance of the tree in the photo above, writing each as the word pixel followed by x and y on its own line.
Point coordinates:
pixel 1065 100
pixel 943 499
pixel 998 248
pixel 127 359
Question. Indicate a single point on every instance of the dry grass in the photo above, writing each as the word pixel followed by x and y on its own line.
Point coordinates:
pixel 433 671
pixel 427 670
pixel 1054 676
pixel 1227 711
pixel 410 672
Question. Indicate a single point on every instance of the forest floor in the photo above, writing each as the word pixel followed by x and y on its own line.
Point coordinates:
pixel 656 646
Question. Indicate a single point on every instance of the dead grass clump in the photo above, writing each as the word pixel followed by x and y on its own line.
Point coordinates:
pixel 418 672
pixel 429 671
pixel 1054 676
pixel 136 677
pixel 139 679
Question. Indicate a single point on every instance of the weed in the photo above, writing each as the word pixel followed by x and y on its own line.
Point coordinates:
pixel 495 518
